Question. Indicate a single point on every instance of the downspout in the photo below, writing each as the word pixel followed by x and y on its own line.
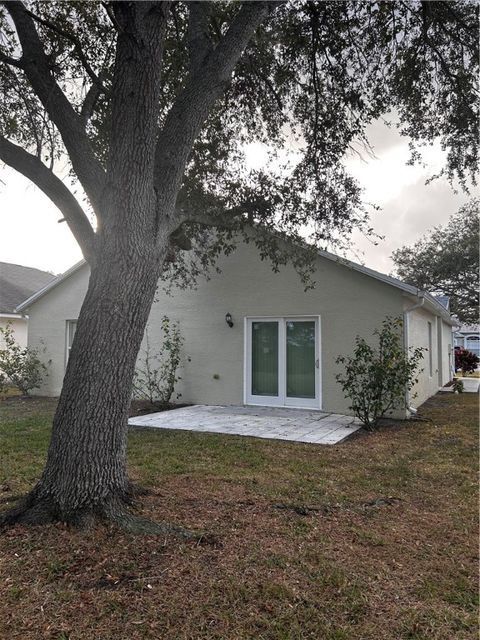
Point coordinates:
pixel 419 304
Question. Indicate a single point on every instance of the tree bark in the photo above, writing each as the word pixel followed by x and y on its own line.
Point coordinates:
pixel 134 201
pixel 85 474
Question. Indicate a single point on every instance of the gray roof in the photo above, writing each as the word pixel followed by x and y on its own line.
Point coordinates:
pixel 468 328
pixel 18 283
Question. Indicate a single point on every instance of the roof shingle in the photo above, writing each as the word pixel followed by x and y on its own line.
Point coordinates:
pixel 17 283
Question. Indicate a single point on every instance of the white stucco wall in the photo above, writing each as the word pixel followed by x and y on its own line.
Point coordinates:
pixel 19 327
pixel 348 302
pixel 429 382
pixel 47 324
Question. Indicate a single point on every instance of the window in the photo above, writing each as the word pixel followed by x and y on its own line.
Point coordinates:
pixel 430 354
pixel 71 329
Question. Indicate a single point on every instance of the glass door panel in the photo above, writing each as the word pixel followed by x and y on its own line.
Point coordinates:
pixel 264 359
pixel 282 358
pixel 300 356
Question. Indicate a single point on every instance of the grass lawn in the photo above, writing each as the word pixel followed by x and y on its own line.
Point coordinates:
pixel 348 567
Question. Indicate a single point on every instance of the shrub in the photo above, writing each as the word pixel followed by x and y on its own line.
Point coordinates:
pixel 20 367
pixel 465 360
pixel 376 379
pixel 156 373
pixel 458 386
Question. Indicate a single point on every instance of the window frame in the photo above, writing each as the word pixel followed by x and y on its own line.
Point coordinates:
pixel 69 324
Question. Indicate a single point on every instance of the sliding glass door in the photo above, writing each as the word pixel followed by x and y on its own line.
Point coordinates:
pixel 282 364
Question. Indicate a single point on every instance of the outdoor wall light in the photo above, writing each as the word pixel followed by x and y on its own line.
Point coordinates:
pixel 228 319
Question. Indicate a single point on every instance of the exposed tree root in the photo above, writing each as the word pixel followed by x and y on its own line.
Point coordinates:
pixel 14 498
pixel 134 491
pixel 116 510
pixel 139 525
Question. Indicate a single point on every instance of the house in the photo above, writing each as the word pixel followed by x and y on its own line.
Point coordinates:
pixel 253 336
pixel 16 284
pixel 468 337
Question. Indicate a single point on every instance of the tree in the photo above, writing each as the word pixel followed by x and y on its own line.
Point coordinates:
pixel 152 104
pixel 465 360
pixel 446 262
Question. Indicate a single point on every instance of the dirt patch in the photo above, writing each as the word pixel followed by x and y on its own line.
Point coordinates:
pixel 142 407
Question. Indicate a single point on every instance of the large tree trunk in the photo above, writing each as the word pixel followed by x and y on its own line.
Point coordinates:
pixel 134 197
pixel 85 474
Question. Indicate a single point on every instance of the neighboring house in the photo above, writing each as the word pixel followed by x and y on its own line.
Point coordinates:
pixel 468 337
pixel 282 347
pixel 16 284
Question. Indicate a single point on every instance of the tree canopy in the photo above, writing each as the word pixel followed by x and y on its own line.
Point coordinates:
pixel 311 78
pixel 446 262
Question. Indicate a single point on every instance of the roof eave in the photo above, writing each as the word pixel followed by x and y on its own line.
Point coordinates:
pixel 403 286
pixel 408 289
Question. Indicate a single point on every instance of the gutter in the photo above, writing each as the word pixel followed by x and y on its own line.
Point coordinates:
pixel 421 297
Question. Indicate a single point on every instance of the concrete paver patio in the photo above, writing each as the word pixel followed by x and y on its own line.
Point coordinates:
pixel 295 425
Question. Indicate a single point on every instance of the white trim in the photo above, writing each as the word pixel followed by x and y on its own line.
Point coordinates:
pixel 430 348
pixel 282 400
pixel 12 315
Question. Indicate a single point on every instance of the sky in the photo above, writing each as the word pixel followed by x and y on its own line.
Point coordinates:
pixel 31 235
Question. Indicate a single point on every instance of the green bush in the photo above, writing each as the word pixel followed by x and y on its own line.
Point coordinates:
pixel 376 379
pixel 20 367
pixel 458 386
pixel 156 372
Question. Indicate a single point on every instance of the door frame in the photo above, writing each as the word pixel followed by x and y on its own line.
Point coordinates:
pixel 274 401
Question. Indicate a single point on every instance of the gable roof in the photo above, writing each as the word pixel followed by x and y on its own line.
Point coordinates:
pixel 18 282
pixel 432 302
pixel 468 328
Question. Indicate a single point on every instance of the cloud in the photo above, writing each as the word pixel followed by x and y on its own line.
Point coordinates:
pixel 409 207
pixel 32 236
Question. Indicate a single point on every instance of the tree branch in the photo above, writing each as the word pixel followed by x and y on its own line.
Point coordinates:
pixel 77 45
pixel 91 98
pixel 191 109
pixel 89 102
pixel 14 62
pixel 33 168
pixel 111 16
pixel 70 125
pixel 199 43
pixel 135 105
